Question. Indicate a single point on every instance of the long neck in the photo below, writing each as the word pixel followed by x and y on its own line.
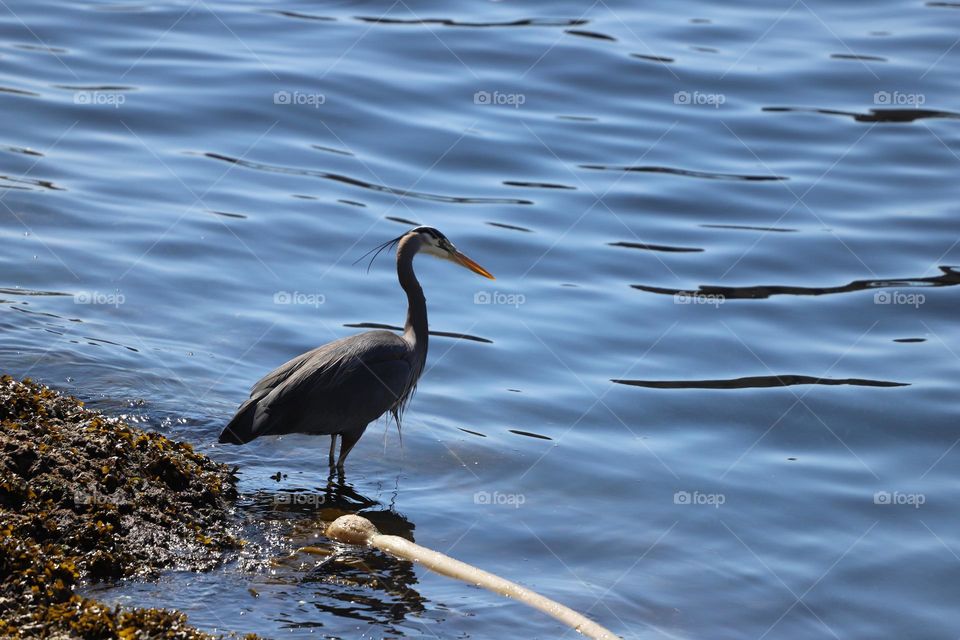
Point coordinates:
pixel 415 329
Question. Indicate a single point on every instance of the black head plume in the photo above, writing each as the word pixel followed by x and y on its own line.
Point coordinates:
pixel 376 251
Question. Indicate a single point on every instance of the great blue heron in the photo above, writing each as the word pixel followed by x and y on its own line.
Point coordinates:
pixel 341 387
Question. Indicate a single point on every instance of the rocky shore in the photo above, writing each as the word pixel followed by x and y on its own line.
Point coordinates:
pixel 87 498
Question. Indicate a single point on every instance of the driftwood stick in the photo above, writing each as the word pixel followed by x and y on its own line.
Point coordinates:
pixel 357 530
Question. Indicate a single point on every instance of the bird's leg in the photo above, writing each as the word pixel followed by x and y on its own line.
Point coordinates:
pixel 333 447
pixel 347 440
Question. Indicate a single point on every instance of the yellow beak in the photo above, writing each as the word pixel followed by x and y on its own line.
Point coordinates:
pixel 470 264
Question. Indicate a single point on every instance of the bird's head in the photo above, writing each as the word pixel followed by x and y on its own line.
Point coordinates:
pixel 431 242
pixel 434 243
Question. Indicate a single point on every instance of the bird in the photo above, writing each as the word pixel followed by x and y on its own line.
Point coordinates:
pixel 341 387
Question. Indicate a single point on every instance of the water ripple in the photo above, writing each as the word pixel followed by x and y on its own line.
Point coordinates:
pixel 758 382
pixel 875 115
pixel 537 185
pixel 690 173
pixel 590 34
pixel 300 16
pixel 655 247
pixel 18 183
pixel 746 227
pixel 948 278
pixel 446 22
pixel 356 182
pixel 511 227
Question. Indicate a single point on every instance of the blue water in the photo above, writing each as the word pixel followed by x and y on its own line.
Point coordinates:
pixel 693 197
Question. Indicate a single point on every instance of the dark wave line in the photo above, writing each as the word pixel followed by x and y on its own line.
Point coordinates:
pixel 538 185
pixel 402 221
pixel 95 87
pixel 31 292
pixel 511 227
pixel 950 277
pixel 655 247
pixel 662 59
pixel 744 227
pixel 110 342
pixel 529 434
pixel 24 150
pixel 443 334
pixel 854 56
pixel 338 152
pixel 590 34
pixel 875 115
pixel 446 22
pixel 355 182
pixel 45 49
pixel 683 172
pixel 227 214
pixel 42 314
pixel 18 92
pixel 46 184
pixel 759 382
pixel 300 16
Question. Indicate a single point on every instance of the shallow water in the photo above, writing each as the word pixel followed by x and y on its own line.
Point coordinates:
pixel 744 213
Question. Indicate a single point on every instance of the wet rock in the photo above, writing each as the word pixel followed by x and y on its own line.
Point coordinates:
pixel 87 498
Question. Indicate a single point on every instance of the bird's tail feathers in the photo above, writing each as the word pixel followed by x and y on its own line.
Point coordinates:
pixel 241 430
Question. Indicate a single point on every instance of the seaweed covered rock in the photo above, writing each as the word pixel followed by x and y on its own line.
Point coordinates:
pixel 86 497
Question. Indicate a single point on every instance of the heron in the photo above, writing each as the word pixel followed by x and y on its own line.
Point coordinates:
pixel 341 387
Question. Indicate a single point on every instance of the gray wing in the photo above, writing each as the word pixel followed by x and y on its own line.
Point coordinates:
pixel 340 386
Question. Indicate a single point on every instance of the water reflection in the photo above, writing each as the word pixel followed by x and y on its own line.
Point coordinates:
pixel 327 577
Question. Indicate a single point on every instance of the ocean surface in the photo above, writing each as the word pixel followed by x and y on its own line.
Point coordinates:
pixel 712 392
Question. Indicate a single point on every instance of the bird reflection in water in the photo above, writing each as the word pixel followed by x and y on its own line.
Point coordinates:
pixel 345 581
